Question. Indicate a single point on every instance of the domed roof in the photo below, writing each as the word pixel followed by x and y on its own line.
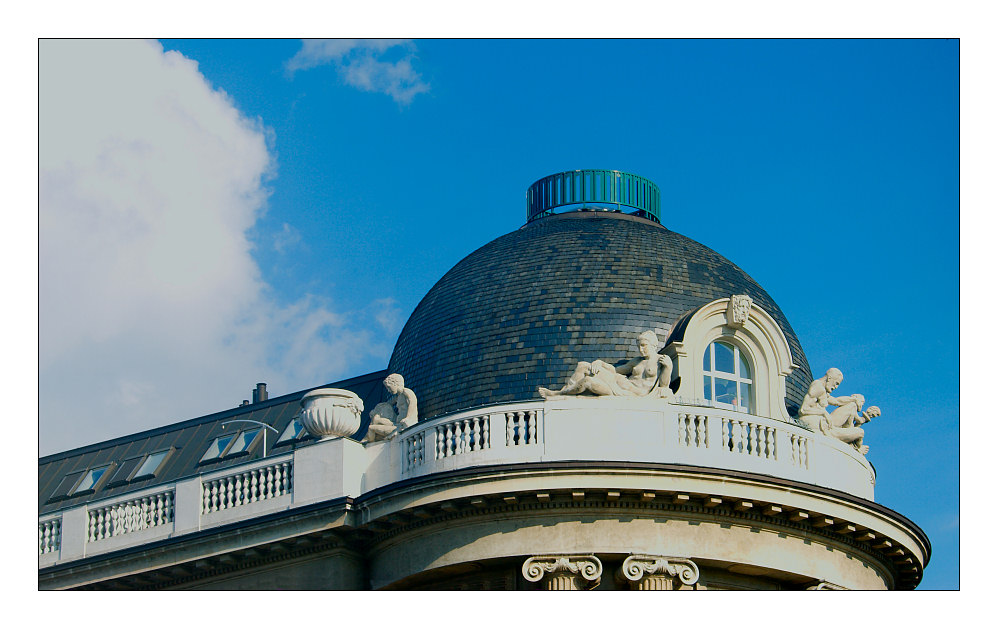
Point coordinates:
pixel 521 311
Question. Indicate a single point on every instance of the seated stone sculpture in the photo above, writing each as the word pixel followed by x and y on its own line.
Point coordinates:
pixel 842 423
pixel 649 374
pixel 400 411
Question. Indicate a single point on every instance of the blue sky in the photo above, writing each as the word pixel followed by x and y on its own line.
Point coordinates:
pixel 336 182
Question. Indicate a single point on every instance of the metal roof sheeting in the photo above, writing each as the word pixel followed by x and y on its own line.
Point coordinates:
pixel 190 439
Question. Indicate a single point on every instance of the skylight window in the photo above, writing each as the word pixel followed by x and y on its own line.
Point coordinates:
pixel 124 472
pixel 231 445
pixel 66 485
pixel 217 448
pixel 243 442
pixel 294 431
pixel 90 480
pixel 150 466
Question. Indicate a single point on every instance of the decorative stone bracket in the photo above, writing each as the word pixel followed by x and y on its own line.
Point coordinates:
pixel 652 572
pixel 564 572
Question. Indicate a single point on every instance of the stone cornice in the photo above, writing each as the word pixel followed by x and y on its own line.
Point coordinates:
pixel 588 466
pixel 888 552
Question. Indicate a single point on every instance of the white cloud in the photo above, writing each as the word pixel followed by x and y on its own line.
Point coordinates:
pixel 286 239
pixel 363 63
pixel 152 309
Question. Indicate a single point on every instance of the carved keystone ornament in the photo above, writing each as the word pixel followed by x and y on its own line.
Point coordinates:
pixel 738 310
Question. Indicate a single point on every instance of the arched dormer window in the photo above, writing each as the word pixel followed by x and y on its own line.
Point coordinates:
pixel 727 377
pixel 731 353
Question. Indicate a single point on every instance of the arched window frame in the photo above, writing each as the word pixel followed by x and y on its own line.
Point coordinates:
pixel 755 333
pixel 741 361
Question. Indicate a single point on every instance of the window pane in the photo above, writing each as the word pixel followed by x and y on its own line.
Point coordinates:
pixel 65 486
pixel 706 359
pixel 124 471
pixel 724 358
pixel 90 479
pixel 293 431
pixel 243 441
pixel 744 372
pixel 724 391
pixel 216 448
pixel 150 465
pixel 745 391
pixel 706 387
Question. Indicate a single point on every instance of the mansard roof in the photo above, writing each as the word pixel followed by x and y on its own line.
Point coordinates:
pixel 189 440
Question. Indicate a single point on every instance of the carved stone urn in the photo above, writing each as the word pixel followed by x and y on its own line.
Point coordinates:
pixel 328 413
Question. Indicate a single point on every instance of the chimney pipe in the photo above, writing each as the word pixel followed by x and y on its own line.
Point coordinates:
pixel 260 393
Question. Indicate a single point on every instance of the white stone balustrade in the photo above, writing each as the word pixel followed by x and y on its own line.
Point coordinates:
pixel 247 486
pixel 129 516
pixel 471 438
pixel 609 429
pixel 49 535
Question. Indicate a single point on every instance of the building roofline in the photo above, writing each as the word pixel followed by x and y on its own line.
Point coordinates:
pixel 232 412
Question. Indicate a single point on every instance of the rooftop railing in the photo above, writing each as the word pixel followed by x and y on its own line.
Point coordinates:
pixel 632 430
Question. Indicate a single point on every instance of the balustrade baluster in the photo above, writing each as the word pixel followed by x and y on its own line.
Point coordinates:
pixel 270 483
pixel 476 433
pixel 158 515
pixel 700 430
pixel 214 495
pixel 254 493
pixel 169 507
pixel 531 426
pixel 239 489
pixel 486 422
pixel 205 499
pixel 103 522
pixel 509 429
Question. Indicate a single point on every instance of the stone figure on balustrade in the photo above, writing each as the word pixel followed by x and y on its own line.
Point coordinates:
pixel 647 375
pixel 844 422
pixel 399 412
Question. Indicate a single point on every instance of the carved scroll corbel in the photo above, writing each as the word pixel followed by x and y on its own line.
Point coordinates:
pixel 654 572
pixel 564 572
